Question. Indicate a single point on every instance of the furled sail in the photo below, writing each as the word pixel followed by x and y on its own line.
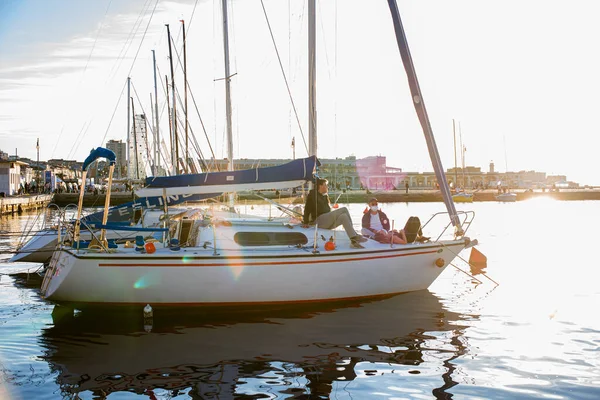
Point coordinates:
pixel 289 175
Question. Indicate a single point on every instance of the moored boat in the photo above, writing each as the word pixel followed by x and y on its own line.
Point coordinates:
pixel 507 197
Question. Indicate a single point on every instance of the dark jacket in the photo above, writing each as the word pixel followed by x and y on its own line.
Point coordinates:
pixel 366 220
pixel 315 206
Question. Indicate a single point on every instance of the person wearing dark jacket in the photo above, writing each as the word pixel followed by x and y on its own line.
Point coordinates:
pixel 377 225
pixel 317 211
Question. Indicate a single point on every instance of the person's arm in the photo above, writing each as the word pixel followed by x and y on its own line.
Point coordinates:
pixel 385 222
pixel 308 208
pixel 306 217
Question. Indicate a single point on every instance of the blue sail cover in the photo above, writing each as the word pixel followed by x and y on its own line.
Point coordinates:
pixel 292 174
pixel 97 153
pixel 124 212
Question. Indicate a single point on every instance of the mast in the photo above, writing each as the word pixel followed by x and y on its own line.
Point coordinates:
pixel 156 129
pixel 128 126
pixel 174 118
pixel 153 156
pixel 187 154
pixel 227 96
pixel 170 126
pixel 312 81
pixel 419 105
pixel 455 165
pixel 462 155
pixel 227 88
pixel 135 147
pixel 37 176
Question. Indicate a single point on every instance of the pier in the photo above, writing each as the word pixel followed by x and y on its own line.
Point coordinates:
pixel 19 204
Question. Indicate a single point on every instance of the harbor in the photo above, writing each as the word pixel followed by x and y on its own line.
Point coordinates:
pixel 19 204
pixel 352 196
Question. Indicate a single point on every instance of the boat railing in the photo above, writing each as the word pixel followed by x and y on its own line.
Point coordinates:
pixel 465 218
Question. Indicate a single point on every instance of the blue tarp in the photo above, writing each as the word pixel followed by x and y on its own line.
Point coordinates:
pixel 97 153
pixel 125 212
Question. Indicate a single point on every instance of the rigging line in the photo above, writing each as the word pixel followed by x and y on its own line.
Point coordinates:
pixel 195 140
pixel 284 76
pixel 84 71
pixel 128 41
pixel 143 37
pixel 96 39
pixel 114 112
pixel 195 105
pixel 86 123
pixel 324 41
pixel 80 141
pixel 194 143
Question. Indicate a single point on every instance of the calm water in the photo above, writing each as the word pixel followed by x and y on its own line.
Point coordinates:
pixel 537 335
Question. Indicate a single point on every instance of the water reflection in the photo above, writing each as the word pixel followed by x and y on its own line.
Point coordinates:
pixel 290 352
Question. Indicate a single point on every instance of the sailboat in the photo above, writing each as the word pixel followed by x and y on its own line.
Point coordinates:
pixel 461 196
pixel 221 258
pixel 507 196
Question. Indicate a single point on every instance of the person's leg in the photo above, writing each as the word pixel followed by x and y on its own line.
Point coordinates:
pixel 333 219
pixel 399 237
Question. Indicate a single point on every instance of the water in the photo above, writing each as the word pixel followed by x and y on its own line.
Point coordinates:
pixel 537 335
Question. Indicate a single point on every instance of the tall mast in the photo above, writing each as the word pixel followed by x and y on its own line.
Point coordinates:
pixel 227 88
pixel 421 111
pixel 174 118
pixel 156 128
pixel 128 126
pixel 135 147
pixel 37 176
pixel 173 171
pixel 462 155
pixel 227 95
pixel 455 165
pixel 187 154
pixel 312 80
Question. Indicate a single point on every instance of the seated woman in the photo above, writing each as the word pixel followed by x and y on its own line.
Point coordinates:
pixel 376 225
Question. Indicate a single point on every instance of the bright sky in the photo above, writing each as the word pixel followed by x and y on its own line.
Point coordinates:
pixel 526 73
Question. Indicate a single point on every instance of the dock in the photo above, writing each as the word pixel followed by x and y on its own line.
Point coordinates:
pixel 19 204
pixel 92 200
pixel 432 195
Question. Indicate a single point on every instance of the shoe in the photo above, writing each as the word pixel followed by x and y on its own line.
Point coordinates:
pixel 358 239
pixel 422 239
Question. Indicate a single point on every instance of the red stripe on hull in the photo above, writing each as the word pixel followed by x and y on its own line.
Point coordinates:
pixel 243 264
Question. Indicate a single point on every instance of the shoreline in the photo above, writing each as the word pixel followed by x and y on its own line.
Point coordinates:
pixel 356 196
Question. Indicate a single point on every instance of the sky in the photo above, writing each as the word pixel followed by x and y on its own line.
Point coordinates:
pixel 521 78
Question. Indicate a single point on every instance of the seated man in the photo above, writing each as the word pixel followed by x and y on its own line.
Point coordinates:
pixel 317 211
pixel 377 225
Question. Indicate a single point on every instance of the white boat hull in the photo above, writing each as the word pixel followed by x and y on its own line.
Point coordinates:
pixel 39 248
pixel 196 276
pixel 507 197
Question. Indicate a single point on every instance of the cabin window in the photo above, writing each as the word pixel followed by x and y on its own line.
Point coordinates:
pixel 270 238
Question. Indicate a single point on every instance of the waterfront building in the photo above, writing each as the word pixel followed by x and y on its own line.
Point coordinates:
pixel 10 176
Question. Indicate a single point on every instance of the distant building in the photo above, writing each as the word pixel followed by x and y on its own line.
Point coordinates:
pixel 10 176
pixel 120 149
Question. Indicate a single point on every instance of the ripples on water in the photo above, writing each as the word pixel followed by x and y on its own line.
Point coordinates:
pixel 537 335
